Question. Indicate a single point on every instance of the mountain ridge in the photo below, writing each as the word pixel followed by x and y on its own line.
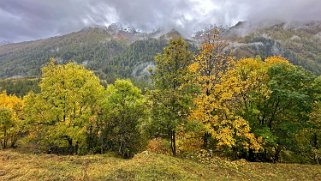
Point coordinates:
pixel 118 52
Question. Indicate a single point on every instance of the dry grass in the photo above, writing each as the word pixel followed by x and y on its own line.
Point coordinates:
pixel 23 166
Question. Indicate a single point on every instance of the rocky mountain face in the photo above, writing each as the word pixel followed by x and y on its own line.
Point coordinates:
pixel 123 52
pixel 299 42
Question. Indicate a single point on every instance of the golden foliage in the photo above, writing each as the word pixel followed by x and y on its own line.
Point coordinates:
pixel 276 59
pixel 227 88
pixel 11 102
pixel 11 124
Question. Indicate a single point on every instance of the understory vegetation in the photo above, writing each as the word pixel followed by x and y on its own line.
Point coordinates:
pixel 259 110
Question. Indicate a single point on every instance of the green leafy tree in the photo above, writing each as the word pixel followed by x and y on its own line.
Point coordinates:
pixel 278 108
pixel 246 83
pixel 308 139
pixel 276 98
pixel 290 102
pixel 171 100
pixel 124 111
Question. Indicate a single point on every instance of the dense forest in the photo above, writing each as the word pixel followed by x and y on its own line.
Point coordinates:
pixel 257 109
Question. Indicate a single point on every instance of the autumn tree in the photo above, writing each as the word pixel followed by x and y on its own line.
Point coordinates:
pixel 66 107
pixel 275 97
pixel 248 83
pixel 11 119
pixel 208 66
pixel 6 123
pixel 171 99
pixel 214 104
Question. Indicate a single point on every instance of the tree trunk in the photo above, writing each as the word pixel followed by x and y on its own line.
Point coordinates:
pixel 251 155
pixel 70 146
pixel 273 115
pixel 76 147
pixel 206 137
pixel 5 137
pixel 103 143
pixel 277 153
pixel 243 153
pixel 90 140
pixel 173 143
pixel 315 141
pixel 13 142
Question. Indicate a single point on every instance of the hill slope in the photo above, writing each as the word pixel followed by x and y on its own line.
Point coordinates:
pixel 110 52
pixel 299 42
pixel 115 52
pixel 150 166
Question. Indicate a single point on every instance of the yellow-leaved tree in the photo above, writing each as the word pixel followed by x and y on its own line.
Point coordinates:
pixel 11 119
pixel 214 104
pixel 64 113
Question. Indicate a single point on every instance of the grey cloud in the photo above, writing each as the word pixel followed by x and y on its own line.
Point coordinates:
pixel 32 19
pixel 285 10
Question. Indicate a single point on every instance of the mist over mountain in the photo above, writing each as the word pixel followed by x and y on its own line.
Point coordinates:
pixel 23 20
pixel 119 38
pixel 119 51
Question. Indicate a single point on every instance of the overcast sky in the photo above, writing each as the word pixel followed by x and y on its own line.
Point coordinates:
pixel 22 20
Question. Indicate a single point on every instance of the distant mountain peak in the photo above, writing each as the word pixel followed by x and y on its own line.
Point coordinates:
pixel 172 34
pixel 116 27
pixel 4 42
pixel 174 31
pixel 240 24
pixel 113 28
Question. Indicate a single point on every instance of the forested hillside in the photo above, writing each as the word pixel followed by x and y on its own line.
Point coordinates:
pixel 115 52
pixel 110 52
pixel 299 42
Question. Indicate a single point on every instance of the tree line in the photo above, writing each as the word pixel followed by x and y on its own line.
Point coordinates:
pixel 260 110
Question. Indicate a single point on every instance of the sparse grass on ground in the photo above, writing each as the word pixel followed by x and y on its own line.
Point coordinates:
pixel 144 166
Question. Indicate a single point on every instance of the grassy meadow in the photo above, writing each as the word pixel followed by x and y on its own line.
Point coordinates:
pixel 16 165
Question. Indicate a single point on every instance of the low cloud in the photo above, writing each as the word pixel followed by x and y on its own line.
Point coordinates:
pixel 22 20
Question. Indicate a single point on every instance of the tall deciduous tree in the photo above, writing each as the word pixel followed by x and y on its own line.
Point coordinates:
pixel 208 66
pixel 309 139
pixel 275 98
pixel 287 110
pixel 124 111
pixel 67 105
pixel 247 82
pixel 11 119
pixel 5 123
pixel 215 105
pixel 171 99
